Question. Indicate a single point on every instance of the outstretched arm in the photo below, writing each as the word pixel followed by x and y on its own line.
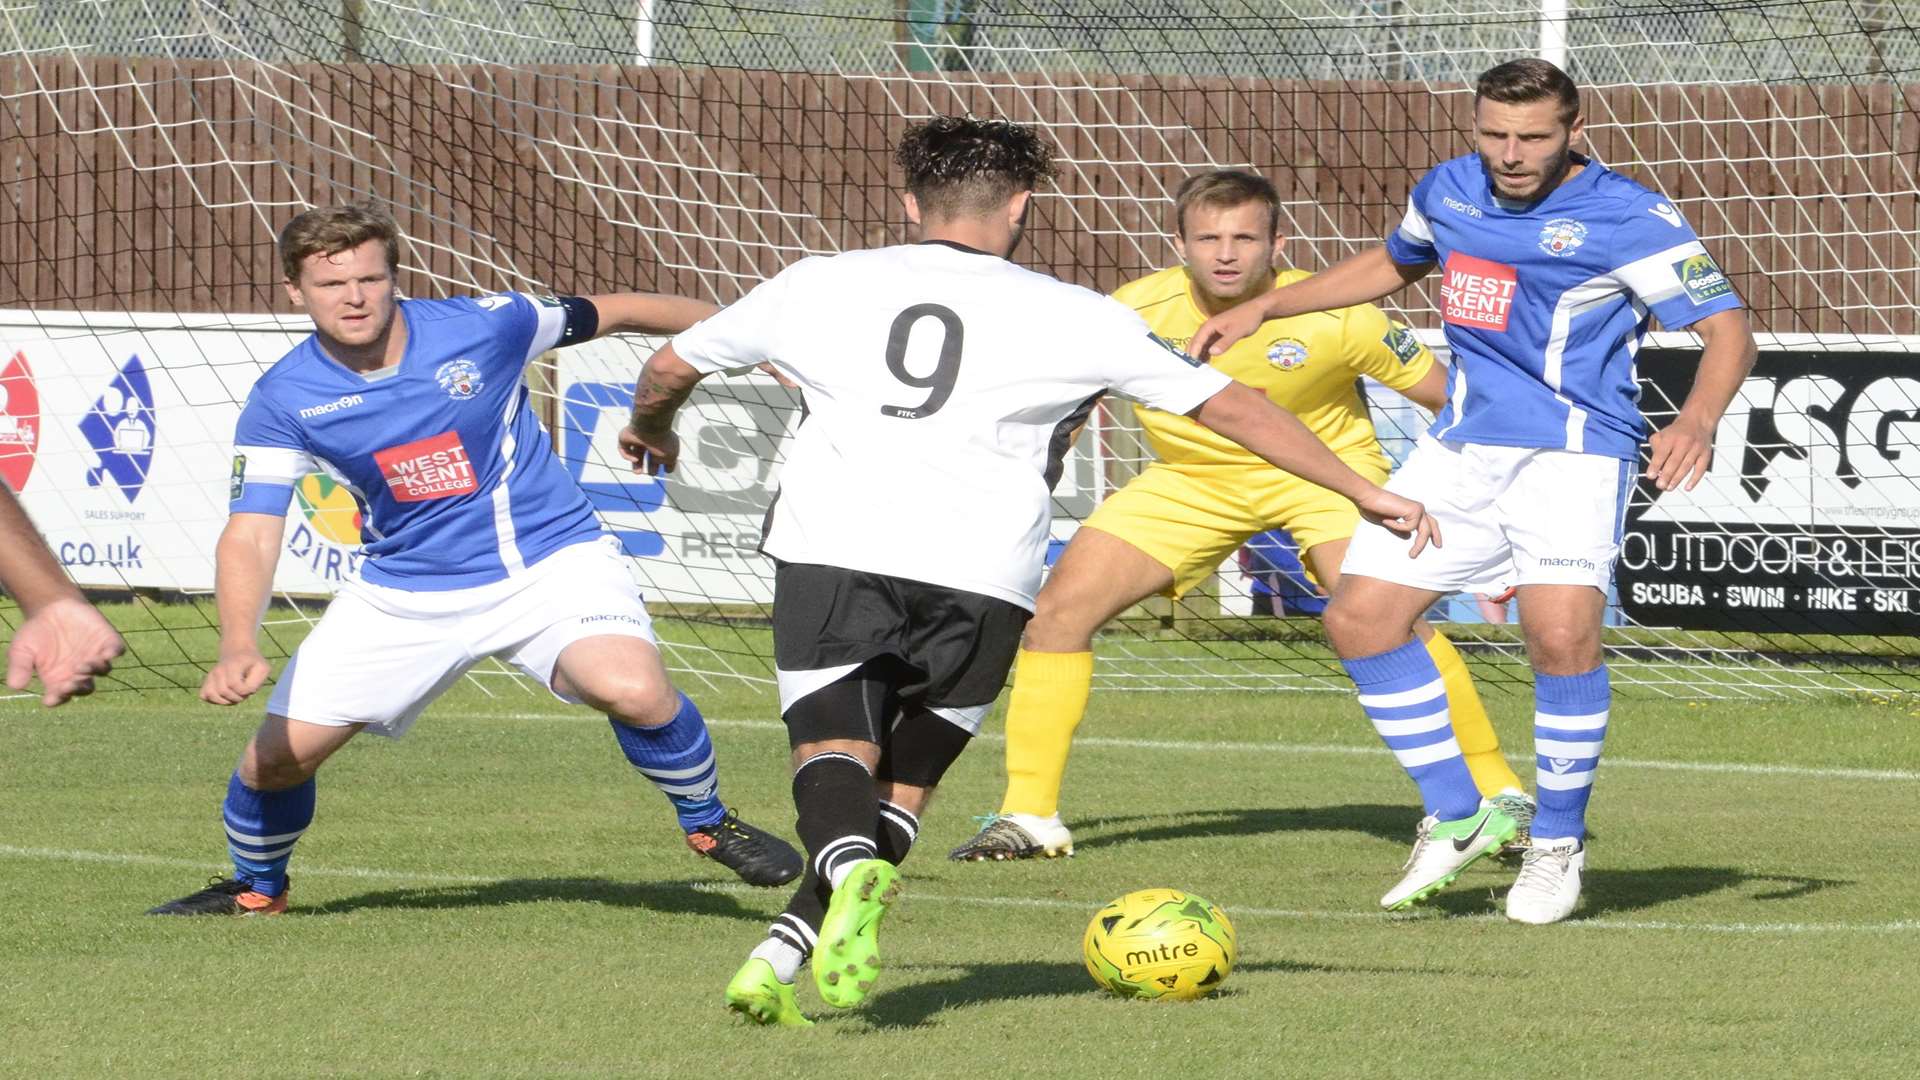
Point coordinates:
pixel 63 639
pixel 1356 279
pixel 648 313
pixel 244 561
pixel 664 385
pixel 1244 415
pixel 1683 450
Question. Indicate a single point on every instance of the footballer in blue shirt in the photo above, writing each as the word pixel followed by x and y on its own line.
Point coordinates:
pixel 1552 266
pixel 478 543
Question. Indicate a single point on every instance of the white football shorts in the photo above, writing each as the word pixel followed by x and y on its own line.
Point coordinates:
pixel 379 655
pixel 1508 515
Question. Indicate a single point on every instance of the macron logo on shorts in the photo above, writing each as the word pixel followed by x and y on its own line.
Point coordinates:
pixel 432 468
pixel 1477 293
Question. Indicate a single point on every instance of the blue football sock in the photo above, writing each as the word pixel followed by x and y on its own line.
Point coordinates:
pixel 1569 724
pixel 678 758
pixel 1403 695
pixel 262 827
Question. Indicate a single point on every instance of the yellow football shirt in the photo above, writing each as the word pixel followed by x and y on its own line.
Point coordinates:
pixel 1306 364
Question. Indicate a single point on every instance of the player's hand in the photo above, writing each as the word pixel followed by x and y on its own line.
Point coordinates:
pixel 1226 329
pixel 1403 517
pixel 1682 454
pixel 235 677
pixel 66 643
pixel 649 455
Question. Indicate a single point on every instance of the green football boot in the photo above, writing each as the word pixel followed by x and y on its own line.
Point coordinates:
pixel 758 994
pixel 846 959
pixel 1442 849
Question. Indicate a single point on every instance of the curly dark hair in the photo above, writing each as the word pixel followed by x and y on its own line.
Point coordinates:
pixel 958 166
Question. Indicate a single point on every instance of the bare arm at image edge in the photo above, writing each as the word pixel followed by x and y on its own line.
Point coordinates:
pixel 63 640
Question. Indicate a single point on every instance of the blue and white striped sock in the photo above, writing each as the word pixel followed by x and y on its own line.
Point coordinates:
pixel 1569 726
pixel 677 758
pixel 262 827
pixel 1403 695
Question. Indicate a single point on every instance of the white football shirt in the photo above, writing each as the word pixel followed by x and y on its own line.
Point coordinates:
pixel 941 386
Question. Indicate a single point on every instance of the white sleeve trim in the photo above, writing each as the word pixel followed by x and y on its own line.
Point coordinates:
pixel 1415 227
pixel 276 464
pixel 551 322
pixel 1652 278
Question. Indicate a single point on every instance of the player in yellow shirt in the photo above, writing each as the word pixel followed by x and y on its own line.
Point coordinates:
pixel 1170 527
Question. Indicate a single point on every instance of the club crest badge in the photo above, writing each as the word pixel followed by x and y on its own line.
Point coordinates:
pixel 1562 236
pixel 1287 354
pixel 459 378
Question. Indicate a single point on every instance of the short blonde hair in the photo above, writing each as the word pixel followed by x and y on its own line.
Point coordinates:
pixel 1224 189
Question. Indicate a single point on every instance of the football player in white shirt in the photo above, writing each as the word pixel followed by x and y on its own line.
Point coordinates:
pixel 942 384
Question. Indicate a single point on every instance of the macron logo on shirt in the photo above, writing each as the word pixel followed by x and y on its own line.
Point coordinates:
pixel 1477 293
pixel 345 401
pixel 436 467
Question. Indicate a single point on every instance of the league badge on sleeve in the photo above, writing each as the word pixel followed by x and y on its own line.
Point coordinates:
pixel 239 482
pixel 459 378
pixel 1562 236
pixel 1401 341
pixel 1287 354
pixel 1700 276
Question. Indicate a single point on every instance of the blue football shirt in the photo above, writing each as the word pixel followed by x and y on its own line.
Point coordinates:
pixel 456 479
pixel 1545 303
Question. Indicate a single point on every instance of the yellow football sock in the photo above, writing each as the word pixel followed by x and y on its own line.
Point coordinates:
pixel 1048 701
pixel 1471 727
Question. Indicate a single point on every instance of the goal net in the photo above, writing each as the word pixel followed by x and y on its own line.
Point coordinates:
pixel 153 147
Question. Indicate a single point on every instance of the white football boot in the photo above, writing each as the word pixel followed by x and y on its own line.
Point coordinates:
pixel 1548 888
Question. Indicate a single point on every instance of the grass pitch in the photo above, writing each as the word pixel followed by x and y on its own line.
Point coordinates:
pixel 498 895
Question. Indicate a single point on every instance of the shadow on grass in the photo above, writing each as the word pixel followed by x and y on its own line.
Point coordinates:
pixel 1612 891
pixel 917 1005
pixel 670 897
pixel 1384 822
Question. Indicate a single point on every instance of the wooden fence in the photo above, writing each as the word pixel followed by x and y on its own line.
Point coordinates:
pixel 154 185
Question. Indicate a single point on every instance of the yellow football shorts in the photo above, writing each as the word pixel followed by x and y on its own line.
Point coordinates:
pixel 1191 518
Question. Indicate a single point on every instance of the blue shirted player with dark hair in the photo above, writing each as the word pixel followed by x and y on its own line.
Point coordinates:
pixel 1553 266
pixel 478 543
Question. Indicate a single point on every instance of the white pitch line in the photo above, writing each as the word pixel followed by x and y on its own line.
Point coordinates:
pixel 1823 772
pixel 207 866
pixel 1239 912
pixel 1819 772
